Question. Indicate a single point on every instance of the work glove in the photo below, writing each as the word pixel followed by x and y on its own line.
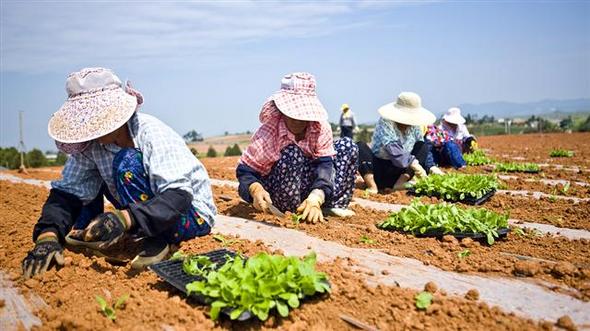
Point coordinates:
pixel 436 170
pixel 39 258
pixel 310 209
pixel 260 196
pixel 419 172
pixel 108 228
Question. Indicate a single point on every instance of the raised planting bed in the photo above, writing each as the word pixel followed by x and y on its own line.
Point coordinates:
pixel 469 189
pixel 242 288
pixel 437 220
pixel 477 158
pixel 561 153
pixel 531 168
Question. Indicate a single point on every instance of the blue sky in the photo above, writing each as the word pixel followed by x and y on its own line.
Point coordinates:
pixel 209 66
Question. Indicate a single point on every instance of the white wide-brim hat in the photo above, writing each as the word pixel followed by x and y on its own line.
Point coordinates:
pixel 97 105
pixel 408 110
pixel 297 98
pixel 453 116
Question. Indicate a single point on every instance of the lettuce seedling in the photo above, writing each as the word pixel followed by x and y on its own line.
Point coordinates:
pixel 418 218
pixel 110 311
pixel 260 284
pixel 423 300
pixel 561 153
pixel 517 167
pixel 455 187
pixel 197 265
pixel 224 241
pixel 296 218
pixel 476 158
pixel 367 240
pixel 464 253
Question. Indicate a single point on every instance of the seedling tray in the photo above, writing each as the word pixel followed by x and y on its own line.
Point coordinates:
pixel 468 200
pixel 171 272
pixel 459 235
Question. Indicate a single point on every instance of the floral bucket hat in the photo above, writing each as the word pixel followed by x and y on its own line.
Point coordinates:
pixel 98 103
pixel 297 98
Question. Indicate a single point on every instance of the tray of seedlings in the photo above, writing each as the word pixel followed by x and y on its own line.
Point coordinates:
pixel 242 288
pixel 561 153
pixel 437 220
pixel 476 158
pixel 469 189
pixel 531 168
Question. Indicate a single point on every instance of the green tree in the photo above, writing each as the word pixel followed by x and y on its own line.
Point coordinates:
pixel 211 152
pixel 36 158
pixel 61 158
pixel 233 150
pixel 9 158
pixel 585 126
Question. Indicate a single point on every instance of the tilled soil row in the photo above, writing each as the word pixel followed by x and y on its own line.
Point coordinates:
pixel 517 255
pixel 70 291
pixel 536 147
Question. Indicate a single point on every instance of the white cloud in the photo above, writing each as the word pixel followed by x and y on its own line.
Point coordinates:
pixel 54 35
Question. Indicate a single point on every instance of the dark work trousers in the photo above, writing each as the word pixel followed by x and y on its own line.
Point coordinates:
pixel 386 174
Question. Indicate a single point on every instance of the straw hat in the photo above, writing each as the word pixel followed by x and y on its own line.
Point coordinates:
pixel 97 105
pixel 407 109
pixel 453 116
pixel 344 107
pixel 297 98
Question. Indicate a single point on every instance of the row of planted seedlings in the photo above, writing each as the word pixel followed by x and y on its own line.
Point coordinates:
pixel 479 158
pixel 447 218
pixel 242 287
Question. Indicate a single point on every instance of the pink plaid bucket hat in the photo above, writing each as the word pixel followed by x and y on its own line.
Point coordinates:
pixel 98 103
pixel 297 98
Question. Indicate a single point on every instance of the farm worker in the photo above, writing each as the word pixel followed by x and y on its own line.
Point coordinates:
pixel 399 151
pixel 450 139
pixel 347 122
pixel 158 188
pixel 292 162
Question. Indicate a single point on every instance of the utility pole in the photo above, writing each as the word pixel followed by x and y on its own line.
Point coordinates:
pixel 21 144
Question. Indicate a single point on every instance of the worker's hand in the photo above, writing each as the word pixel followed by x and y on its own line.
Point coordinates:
pixel 310 209
pixel 260 196
pixel 419 172
pixel 39 258
pixel 108 228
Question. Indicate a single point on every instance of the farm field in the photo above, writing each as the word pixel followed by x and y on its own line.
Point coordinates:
pixel 537 277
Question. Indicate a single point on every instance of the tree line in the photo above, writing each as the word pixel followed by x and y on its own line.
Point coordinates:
pixel 35 158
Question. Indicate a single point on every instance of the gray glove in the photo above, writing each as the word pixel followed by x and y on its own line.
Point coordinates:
pixel 39 258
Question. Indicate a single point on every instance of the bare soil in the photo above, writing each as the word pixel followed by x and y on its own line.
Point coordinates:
pixel 70 291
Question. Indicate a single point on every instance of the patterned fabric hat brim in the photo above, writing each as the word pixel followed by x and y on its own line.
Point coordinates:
pixel 92 115
pixel 301 107
pixel 407 116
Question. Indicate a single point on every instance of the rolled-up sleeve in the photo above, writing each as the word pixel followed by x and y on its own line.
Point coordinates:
pixel 323 168
pixel 398 156
pixel 246 177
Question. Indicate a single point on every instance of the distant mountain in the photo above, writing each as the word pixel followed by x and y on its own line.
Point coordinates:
pixel 512 109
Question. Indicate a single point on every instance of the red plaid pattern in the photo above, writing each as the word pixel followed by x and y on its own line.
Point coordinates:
pixel 297 98
pixel 273 135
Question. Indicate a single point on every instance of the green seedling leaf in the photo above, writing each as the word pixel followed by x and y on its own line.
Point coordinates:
pixel 423 300
pixel 259 284
pixel 296 218
pixel 121 301
pixel 102 303
pixel 476 158
pixel 110 311
pixel 519 231
pixel 178 255
pixel 561 153
pixel 224 241
pixel 464 253
pixel 367 240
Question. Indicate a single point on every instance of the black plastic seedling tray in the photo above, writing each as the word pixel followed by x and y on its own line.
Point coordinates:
pixel 459 235
pixel 468 200
pixel 171 272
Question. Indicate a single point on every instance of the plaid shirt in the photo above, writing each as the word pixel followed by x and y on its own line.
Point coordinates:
pixel 166 159
pixel 270 139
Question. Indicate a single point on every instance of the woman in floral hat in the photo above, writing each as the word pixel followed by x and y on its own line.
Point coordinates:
pixel 450 139
pixel 399 151
pixel 159 189
pixel 292 163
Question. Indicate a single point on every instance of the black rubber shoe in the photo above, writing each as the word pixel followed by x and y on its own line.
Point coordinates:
pixel 154 250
